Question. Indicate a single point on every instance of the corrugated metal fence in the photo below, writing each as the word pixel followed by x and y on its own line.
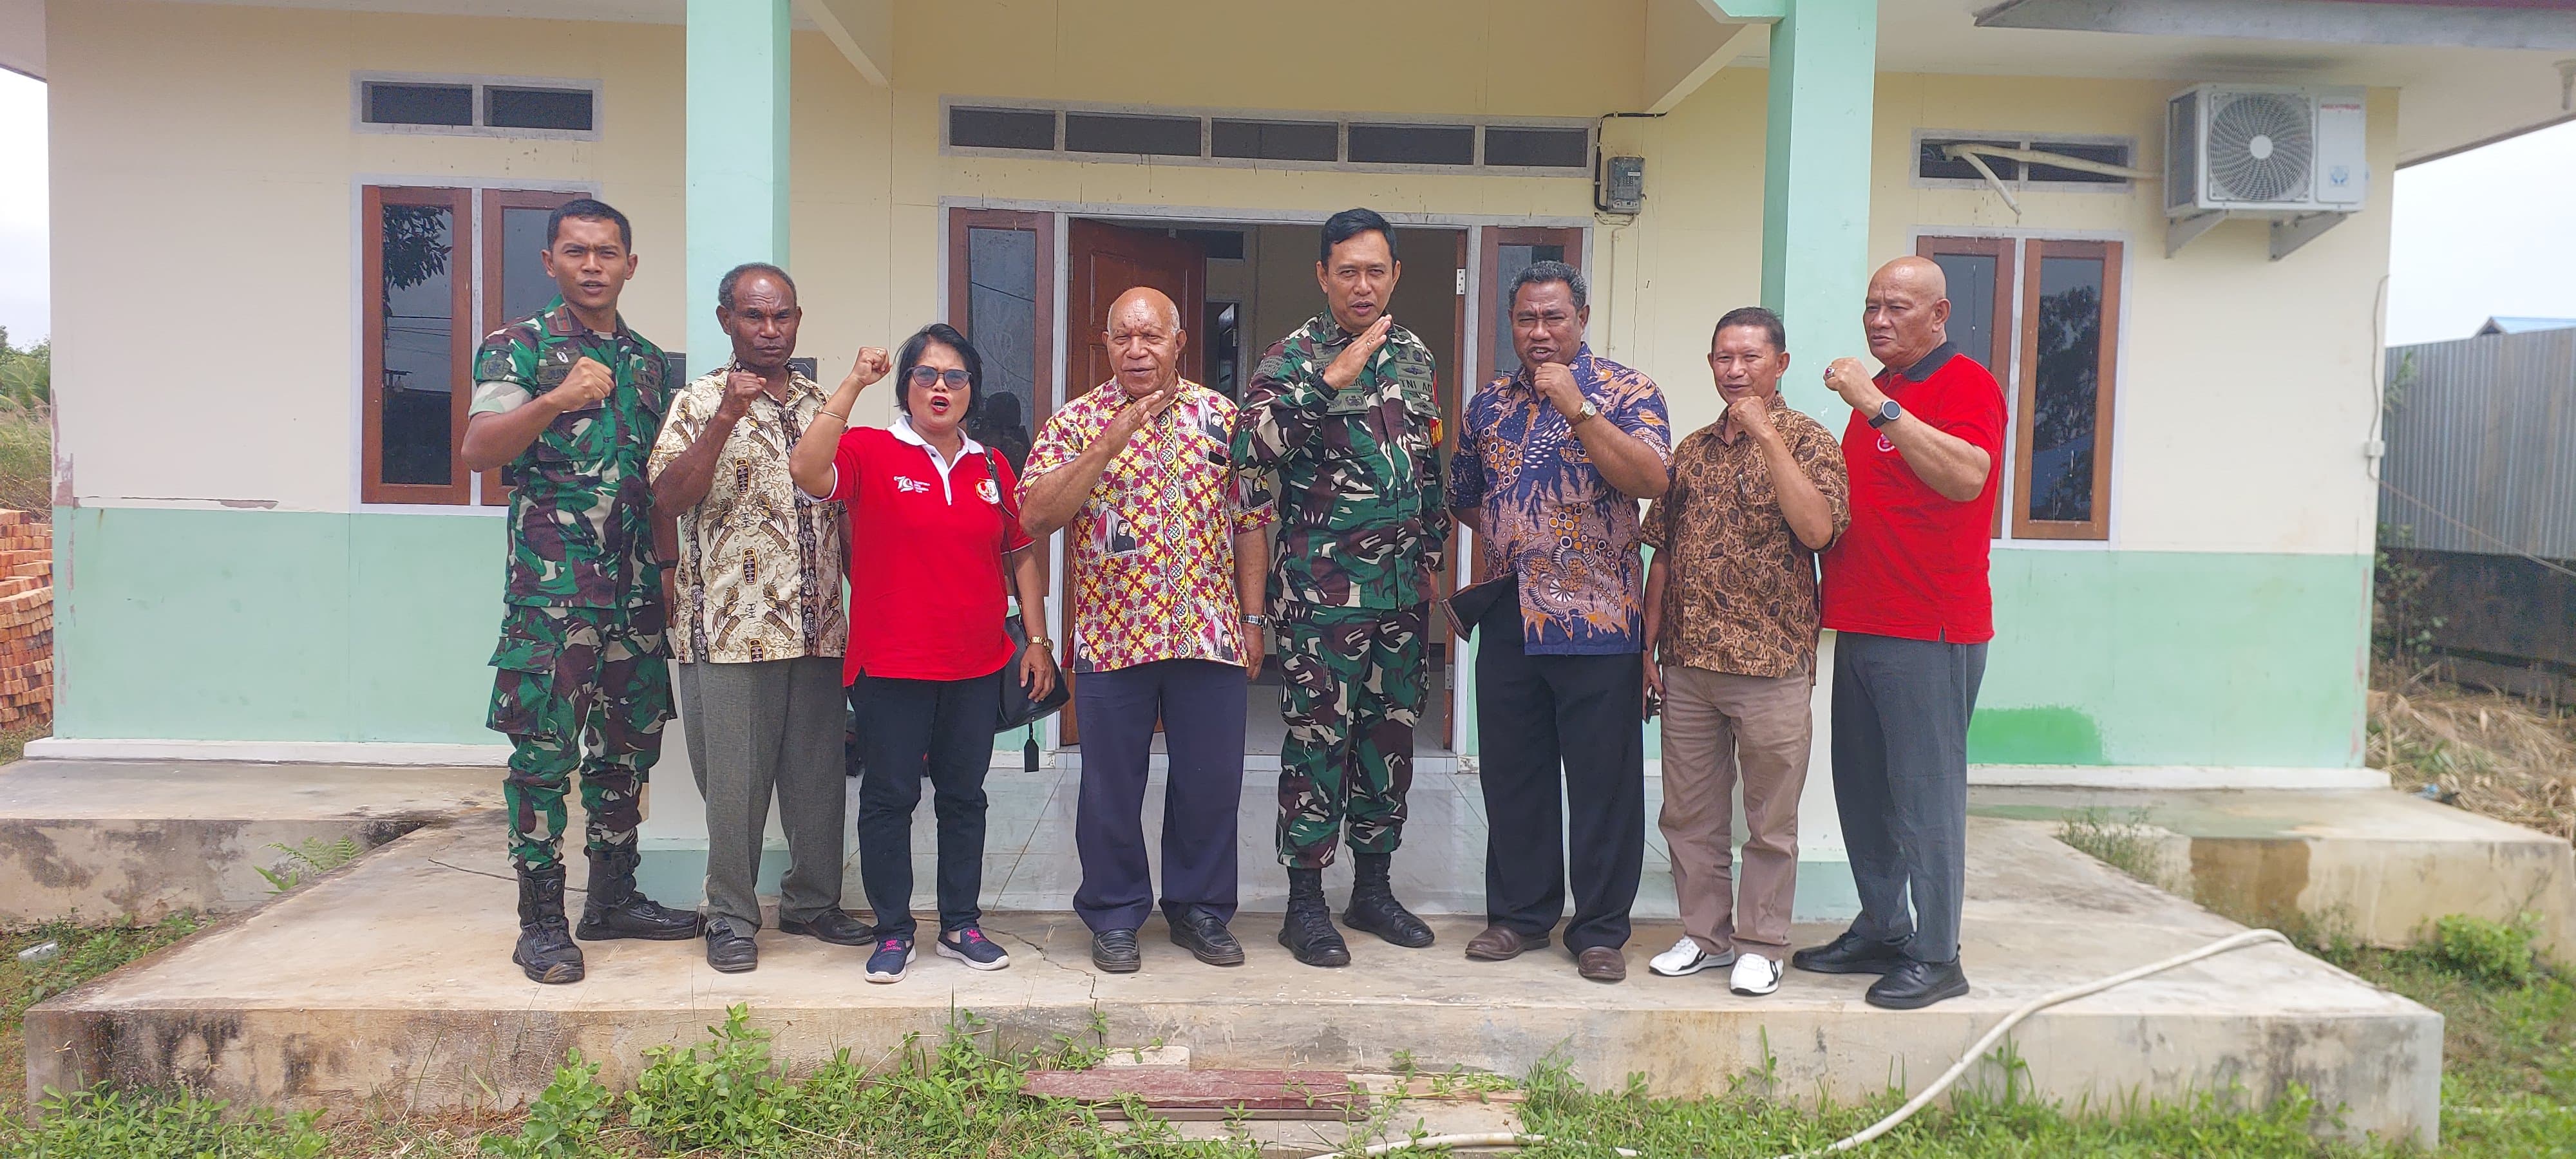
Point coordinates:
pixel 2482 444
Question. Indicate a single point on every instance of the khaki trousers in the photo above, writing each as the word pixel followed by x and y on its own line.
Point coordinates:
pixel 1719 726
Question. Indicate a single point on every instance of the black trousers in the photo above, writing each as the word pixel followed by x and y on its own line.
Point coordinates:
pixel 1201 704
pixel 909 729
pixel 1536 715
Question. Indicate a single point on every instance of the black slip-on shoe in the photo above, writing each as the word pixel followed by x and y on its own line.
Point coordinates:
pixel 1207 939
pixel 1914 985
pixel 1114 951
pixel 1850 954
pixel 730 949
pixel 834 926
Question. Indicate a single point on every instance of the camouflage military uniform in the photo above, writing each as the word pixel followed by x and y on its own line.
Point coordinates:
pixel 582 681
pixel 1362 524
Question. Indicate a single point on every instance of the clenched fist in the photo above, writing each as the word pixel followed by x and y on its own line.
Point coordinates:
pixel 1847 379
pixel 741 387
pixel 1752 415
pixel 586 385
pixel 871 364
pixel 1555 383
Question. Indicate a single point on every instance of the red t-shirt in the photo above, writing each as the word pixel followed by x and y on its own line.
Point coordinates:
pixel 926 590
pixel 1913 564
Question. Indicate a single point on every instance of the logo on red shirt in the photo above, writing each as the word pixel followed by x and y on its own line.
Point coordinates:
pixel 907 485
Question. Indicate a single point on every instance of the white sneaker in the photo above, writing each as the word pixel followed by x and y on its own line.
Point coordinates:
pixel 1687 958
pixel 1754 975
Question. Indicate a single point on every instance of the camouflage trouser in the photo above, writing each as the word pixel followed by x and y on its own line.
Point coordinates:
pixel 582 688
pixel 1354 693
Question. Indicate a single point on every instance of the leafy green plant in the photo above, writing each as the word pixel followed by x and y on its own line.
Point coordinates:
pixel 2488 951
pixel 566 1120
pixel 724 1094
pixel 317 856
pixel 2127 844
pixel 103 1121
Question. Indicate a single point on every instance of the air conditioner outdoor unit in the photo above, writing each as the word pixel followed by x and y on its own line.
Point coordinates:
pixel 2295 156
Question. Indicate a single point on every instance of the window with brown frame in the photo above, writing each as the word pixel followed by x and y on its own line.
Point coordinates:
pixel 423 269
pixel 2043 314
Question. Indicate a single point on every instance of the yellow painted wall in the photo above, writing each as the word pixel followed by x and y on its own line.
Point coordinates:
pixel 208 149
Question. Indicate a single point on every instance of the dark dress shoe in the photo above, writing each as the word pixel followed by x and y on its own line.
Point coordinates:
pixel 1114 951
pixel 1502 944
pixel 1207 939
pixel 1850 954
pixel 1602 964
pixel 730 949
pixel 834 926
pixel 1914 985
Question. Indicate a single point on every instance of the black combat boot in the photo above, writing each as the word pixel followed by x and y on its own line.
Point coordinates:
pixel 1374 908
pixel 545 948
pixel 1308 933
pixel 615 910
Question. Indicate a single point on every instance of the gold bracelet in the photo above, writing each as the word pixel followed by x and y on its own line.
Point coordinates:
pixel 837 416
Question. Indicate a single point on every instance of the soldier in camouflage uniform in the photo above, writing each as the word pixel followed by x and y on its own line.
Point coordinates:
pixel 1344 411
pixel 567 405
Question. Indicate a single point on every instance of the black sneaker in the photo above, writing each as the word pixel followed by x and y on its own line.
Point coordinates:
pixel 1850 954
pixel 1114 951
pixel 1914 985
pixel 1207 939
pixel 970 946
pixel 893 957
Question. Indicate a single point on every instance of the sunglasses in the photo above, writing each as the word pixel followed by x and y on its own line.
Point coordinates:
pixel 926 375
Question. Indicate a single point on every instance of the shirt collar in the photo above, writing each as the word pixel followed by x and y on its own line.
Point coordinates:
pixel 903 433
pixel 562 322
pixel 1927 365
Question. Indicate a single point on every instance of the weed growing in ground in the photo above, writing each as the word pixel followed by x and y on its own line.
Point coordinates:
pixel 105 1122
pixel 566 1120
pixel 2127 844
pixel 317 856
pixel 2493 952
pixel 722 1094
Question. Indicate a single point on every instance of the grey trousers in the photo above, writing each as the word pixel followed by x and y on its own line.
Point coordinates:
pixel 774 726
pixel 1901 712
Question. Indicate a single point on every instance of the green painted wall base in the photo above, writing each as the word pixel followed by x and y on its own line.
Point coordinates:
pixel 255 625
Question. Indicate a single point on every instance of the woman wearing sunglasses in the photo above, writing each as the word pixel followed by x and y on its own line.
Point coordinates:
pixel 934 531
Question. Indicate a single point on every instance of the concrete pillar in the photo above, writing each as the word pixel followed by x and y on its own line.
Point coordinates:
pixel 1816 185
pixel 737 153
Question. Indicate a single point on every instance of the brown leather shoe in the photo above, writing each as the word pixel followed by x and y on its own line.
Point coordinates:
pixel 1502 944
pixel 1602 964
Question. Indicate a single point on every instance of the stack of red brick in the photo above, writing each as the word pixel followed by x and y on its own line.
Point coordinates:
pixel 26 620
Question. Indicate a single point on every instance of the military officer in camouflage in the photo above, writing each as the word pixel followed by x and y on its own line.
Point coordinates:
pixel 1344 411
pixel 567 405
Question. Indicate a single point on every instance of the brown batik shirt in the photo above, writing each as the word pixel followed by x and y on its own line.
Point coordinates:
pixel 1740 590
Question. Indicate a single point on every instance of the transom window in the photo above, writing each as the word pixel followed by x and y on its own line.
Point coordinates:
pixel 477 106
pixel 2043 314
pixel 1265 139
pixel 1935 166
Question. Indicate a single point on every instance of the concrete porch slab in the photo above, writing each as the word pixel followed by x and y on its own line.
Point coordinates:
pixel 389 984
pixel 144 839
pixel 2374 865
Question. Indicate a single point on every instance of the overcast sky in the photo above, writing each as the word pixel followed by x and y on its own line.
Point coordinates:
pixel 2485 232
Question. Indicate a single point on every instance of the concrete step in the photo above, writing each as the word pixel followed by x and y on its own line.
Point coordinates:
pixel 389 985
pixel 143 839
pixel 2375 866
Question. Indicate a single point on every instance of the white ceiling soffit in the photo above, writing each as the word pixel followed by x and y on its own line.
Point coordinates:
pixel 22 37
pixel 2450 23
pixel 1687 41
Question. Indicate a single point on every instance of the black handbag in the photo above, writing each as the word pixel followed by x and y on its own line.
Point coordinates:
pixel 1018 710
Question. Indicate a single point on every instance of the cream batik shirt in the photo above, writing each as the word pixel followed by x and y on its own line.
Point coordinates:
pixel 759 572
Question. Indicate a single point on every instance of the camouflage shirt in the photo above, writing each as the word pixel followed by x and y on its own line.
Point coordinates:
pixel 581 512
pixel 1361 513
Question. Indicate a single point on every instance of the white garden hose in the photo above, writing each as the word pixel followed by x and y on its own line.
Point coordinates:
pixel 1507 1139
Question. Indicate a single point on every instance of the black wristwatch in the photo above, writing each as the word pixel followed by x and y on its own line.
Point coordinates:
pixel 1887 413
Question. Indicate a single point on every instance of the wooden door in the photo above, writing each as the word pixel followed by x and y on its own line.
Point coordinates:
pixel 1103 261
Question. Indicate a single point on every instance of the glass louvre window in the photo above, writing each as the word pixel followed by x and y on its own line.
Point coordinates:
pixel 1538 148
pixel 419 104
pixel 1275 140
pixel 1150 136
pixel 1002 128
pixel 537 108
pixel 1414 144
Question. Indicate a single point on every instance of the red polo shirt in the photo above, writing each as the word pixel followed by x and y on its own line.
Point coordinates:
pixel 1913 564
pixel 926 546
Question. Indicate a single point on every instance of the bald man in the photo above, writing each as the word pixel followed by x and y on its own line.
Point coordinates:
pixel 1170 562
pixel 1905 590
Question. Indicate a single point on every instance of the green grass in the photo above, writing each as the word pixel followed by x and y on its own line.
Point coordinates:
pixel 27 459
pixel 86 953
pixel 2508 1048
